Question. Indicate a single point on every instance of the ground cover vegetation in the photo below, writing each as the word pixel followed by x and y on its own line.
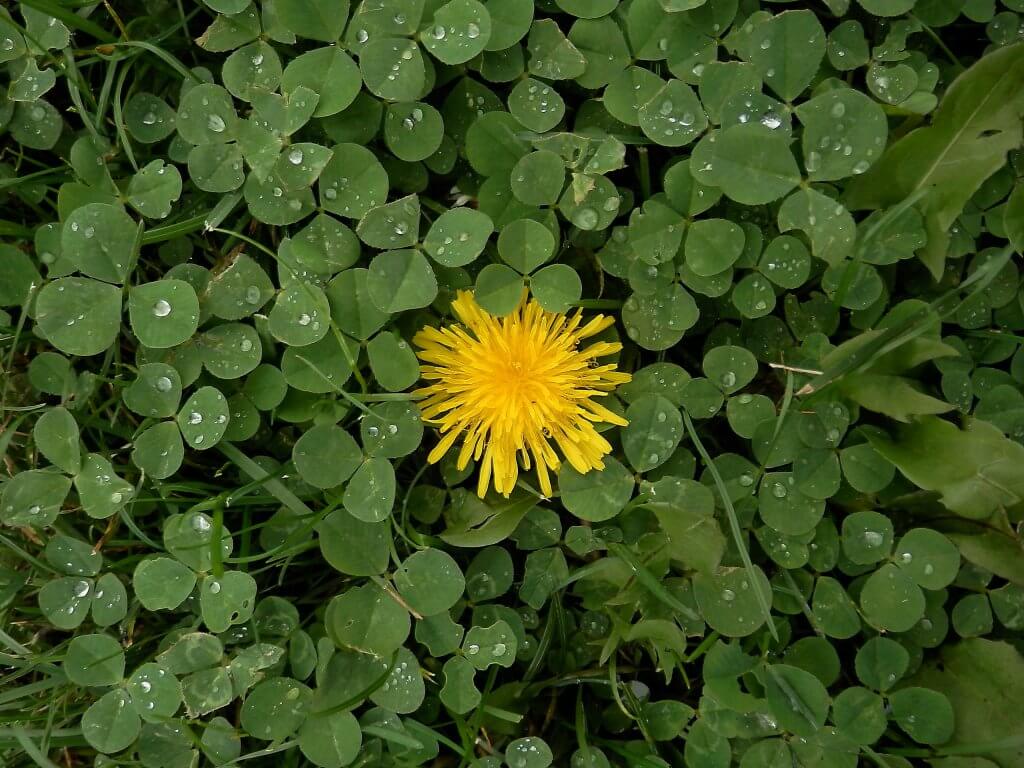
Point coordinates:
pixel 508 383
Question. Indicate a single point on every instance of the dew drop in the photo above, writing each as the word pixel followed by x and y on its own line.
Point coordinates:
pixel 873 538
pixel 162 308
pixel 585 218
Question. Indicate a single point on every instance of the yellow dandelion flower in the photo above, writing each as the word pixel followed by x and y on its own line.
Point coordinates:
pixel 517 385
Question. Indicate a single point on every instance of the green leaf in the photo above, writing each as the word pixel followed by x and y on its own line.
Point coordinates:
pixel 161 583
pixel 928 557
pixel 459 694
pixel 94 660
pixel 797 698
pixel 964 674
pixel 154 189
pixel 79 316
pixel 925 715
pixel 300 315
pixel 353 182
pixel 401 280
pixel 459 31
pixel 695 538
pixel 18 276
pixel 673 116
pixel 860 715
pixel 155 693
pixel 33 498
pixel 494 644
pixel 660 320
pixel 216 167
pixel 498 289
pixel 206 115
pixel 728 601
pixel 328 73
pixel 973 470
pixel 596 495
pixel 352 546
pixel 227 600
pixel 827 223
pixel 655 429
pixel 844 134
pixel 973 129
pixel 751 163
pixel 111 724
pixel 148 118
pixel 56 436
pixel 552 56
pixel 537 106
pixel 239 290
pixel 203 418
pixel 159 450
pixel 100 240
pixel 367 619
pixel 891 600
pixel 413 130
pixel 315 19
pixel 393 225
pixel 538 178
pixel 528 752
pixel 525 244
pixel 370 494
pixel 100 490
pixel 557 287
pixel 332 740
pixel 393 68
pixel 712 246
pixel 275 708
pixel 164 313
pixel 430 581
pixel 326 455
pixel 788 50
